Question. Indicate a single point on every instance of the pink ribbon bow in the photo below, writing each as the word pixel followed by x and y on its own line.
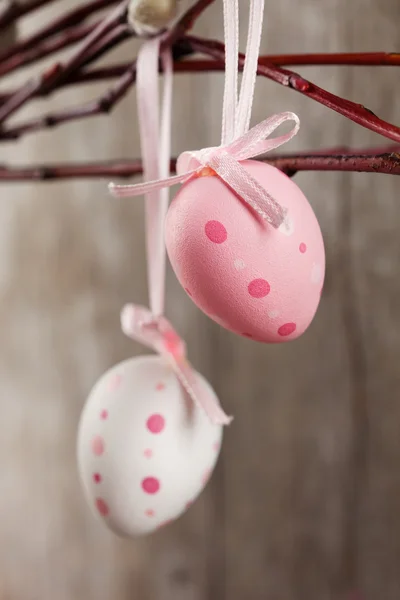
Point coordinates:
pixel 226 162
pixel 158 334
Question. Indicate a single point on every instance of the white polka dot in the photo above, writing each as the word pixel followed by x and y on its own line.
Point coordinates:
pixel 239 264
pixel 217 319
pixel 287 227
pixel 273 314
pixel 316 273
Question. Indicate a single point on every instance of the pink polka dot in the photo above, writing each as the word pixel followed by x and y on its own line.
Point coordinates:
pixel 160 386
pixel 97 477
pixel 98 445
pixel 155 423
pixel 216 232
pixel 188 504
pixel 149 512
pixel 102 507
pixel 104 414
pixel 150 485
pixel 302 247
pixel 164 523
pixel 114 382
pixel 148 453
pixel 287 329
pixel 206 476
pixel 259 288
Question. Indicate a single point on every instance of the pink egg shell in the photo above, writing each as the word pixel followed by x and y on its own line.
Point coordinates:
pixel 252 279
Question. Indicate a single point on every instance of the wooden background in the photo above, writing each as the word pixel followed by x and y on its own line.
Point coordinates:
pixel 305 502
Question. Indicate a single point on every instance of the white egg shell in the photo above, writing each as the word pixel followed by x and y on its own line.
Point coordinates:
pixel 145 450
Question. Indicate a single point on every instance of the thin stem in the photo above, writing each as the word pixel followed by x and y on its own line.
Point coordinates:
pixel 187 21
pixel 103 74
pixel 47 47
pixel 355 112
pixel 94 45
pixel 13 10
pixel 337 58
pixel 79 57
pixel 49 81
pixel 59 25
pixel 102 105
pixel 385 163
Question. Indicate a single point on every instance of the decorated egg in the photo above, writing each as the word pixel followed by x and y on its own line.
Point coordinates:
pixel 255 280
pixel 145 450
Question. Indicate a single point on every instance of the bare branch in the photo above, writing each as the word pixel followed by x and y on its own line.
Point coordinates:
pixel 355 112
pixel 384 163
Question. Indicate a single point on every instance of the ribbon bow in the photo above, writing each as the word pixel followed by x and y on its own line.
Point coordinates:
pixel 158 334
pixel 225 161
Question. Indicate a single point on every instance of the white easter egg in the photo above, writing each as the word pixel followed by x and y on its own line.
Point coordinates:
pixel 145 450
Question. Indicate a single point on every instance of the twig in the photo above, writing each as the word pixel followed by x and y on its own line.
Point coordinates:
pixel 103 74
pixel 384 163
pixel 91 49
pixel 337 58
pixel 102 105
pixel 187 21
pixel 71 18
pixel 14 9
pixel 355 112
pixel 62 41
pixel 80 55
pixel 50 80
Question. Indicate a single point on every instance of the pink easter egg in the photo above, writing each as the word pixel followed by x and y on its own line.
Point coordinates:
pixel 255 280
pixel 144 447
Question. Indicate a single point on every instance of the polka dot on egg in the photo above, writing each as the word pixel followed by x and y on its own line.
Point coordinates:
pixel 104 414
pixel 102 507
pixel 150 512
pixel 114 382
pixel 287 329
pixel 97 477
pixel 302 247
pixel 165 523
pixel 206 476
pixel 216 232
pixel 273 314
pixel 155 423
pixel 259 288
pixel 239 264
pixel 98 445
pixel 160 386
pixel 148 453
pixel 150 485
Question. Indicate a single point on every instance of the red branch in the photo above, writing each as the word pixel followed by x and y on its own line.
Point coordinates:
pixel 96 40
pixel 339 58
pixel 384 163
pixel 54 77
pixel 207 65
pixel 40 51
pixel 355 112
pixel 13 10
pixel 73 17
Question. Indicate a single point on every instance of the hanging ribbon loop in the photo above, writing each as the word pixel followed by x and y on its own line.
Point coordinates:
pixel 225 161
pixel 157 333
